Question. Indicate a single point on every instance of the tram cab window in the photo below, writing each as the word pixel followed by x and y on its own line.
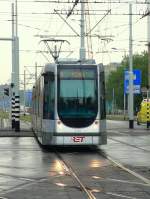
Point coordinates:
pixel 49 97
pixel 77 96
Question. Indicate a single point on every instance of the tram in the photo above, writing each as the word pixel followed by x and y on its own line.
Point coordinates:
pixel 68 104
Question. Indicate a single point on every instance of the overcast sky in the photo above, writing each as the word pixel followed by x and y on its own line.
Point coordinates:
pixel 38 18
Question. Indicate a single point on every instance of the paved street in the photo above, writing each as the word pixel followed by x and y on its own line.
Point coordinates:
pixel 28 171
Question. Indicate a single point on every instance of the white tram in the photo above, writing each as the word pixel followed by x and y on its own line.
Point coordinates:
pixel 69 104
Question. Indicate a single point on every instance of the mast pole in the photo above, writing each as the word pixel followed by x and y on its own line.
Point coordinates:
pixel 82 33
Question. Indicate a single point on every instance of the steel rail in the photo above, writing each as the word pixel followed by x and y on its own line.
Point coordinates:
pixel 71 171
pixel 118 164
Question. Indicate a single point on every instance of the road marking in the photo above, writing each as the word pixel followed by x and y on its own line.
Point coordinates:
pixel 131 145
pixel 21 187
pixel 127 182
pixel 115 131
pixel 147 181
pixel 117 180
pixel 120 195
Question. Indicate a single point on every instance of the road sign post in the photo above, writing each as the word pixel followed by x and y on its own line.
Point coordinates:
pixel 135 76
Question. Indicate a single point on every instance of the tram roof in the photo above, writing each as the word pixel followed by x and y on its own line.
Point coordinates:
pixel 50 67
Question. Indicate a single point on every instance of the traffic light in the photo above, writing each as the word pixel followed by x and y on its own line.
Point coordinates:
pixel 6 91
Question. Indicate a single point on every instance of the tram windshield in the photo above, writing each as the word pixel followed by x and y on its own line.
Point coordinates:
pixel 77 96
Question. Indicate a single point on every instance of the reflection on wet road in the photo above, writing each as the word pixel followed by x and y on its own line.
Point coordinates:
pixel 28 171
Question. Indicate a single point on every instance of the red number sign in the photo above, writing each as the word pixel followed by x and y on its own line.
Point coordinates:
pixel 78 138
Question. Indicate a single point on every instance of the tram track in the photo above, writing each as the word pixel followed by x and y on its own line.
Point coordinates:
pixel 73 174
pixel 118 164
pixel 81 179
pixel 86 186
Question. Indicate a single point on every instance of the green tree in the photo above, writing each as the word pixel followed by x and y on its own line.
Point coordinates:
pixel 116 79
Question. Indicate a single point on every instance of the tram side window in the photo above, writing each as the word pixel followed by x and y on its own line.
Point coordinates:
pixel 102 96
pixel 49 97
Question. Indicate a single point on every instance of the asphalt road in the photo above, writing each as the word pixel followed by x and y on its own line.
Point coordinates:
pixel 120 169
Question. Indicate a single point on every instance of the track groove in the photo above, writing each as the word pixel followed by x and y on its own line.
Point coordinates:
pixel 71 171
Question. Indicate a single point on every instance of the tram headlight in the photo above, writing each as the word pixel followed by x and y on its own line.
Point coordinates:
pixel 59 124
pixel 96 122
pixel 95 125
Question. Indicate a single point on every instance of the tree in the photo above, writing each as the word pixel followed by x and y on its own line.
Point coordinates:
pixel 116 79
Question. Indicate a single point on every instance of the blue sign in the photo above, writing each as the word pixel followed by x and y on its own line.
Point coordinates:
pixel 136 81
pixel 28 98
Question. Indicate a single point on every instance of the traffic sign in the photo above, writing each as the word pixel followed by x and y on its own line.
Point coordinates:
pixel 136 81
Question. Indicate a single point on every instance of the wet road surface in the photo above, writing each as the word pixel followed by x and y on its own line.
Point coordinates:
pixel 129 147
pixel 28 171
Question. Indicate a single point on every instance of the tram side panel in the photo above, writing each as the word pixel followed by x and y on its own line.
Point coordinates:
pixel 37 108
pixel 48 119
pixel 43 116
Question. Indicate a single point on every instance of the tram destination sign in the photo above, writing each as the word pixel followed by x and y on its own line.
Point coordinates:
pixel 136 81
pixel 77 73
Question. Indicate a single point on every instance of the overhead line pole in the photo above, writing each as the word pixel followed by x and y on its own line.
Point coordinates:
pixel 16 73
pixel 12 110
pixel 13 73
pixel 148 32
pixel 82 33
pixel 130 97
pixel 148 78
pixel 15 110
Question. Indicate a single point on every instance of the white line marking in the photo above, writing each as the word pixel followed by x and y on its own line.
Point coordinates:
pixel 120 195
pixel 123 181
pixel 147 181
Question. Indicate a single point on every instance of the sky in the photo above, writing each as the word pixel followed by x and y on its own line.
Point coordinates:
pixel 109 40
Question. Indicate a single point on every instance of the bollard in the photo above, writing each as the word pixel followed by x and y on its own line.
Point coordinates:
pixel 17 113
pixel 13 111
